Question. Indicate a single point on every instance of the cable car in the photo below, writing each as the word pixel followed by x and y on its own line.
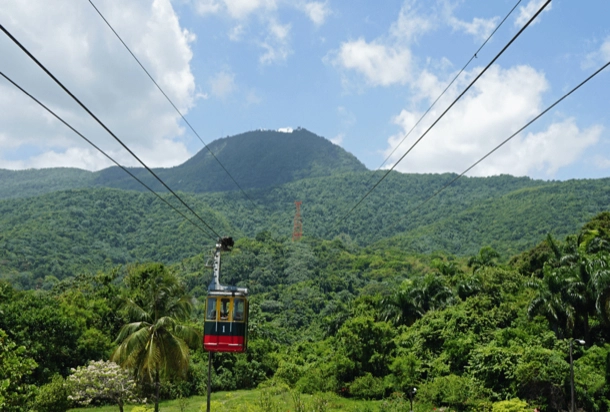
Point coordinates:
pixel 225 327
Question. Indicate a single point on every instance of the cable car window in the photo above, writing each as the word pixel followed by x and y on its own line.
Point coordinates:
pixel 224 308
pixel 211 310
pixel 238 310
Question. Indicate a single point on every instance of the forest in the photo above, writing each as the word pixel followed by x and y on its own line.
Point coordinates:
pixel 469 301
pixel 480 332
pixel 62 233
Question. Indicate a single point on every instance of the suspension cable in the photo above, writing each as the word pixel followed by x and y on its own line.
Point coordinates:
pixel 60 84
pixel 102 152
pixel 444 112
pixel 505 141
pixel 171 102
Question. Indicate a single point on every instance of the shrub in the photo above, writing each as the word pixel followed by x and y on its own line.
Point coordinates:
pixel 52 397
pixel 367 387
pixel 513 405
pixel 102 381
pixel 313 380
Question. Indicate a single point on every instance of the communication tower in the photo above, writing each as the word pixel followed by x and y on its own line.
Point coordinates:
pixel 297 231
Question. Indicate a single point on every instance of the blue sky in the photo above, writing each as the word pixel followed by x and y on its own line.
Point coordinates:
pixel 359 73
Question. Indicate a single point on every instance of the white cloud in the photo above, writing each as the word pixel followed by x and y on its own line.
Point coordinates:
pixel 338 139
pixel 598 57
pixel 241 9
pixel 410 23
pixel 605 49
pixel 236 33
pixel 268 33
pixel 381 65
pixel 75 44
pixel 388 60
pixel 526 12
pixel 317 12
pixel 501 102
pixel 479 28
pixel 276 44
pixel 204 7
pixel 223 84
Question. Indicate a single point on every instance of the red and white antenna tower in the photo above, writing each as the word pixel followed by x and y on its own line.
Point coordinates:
pixel 297 231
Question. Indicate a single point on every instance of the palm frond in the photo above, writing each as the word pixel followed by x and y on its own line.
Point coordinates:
pixel 135 311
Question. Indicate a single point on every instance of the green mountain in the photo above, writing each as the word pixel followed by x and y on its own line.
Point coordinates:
pixel 66 232
pixel 62 221
pixel 257 159
pixel 35 182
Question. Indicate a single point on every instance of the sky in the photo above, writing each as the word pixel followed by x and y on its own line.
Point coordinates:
pixel 359 73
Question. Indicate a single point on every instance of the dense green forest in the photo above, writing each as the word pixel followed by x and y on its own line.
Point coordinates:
pixel 473 297
pixel 471 334
pixel 64 232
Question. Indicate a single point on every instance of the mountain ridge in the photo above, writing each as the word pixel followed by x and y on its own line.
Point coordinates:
pixel 255 159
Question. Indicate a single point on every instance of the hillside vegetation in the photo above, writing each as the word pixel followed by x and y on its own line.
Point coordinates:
pixel 256 159
pixel 472 297
pixel 330 317
pixel 63 233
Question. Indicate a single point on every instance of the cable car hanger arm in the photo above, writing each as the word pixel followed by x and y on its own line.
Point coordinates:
pixel 223 244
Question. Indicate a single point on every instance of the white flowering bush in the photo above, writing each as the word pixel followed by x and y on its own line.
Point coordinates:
pixel 102 380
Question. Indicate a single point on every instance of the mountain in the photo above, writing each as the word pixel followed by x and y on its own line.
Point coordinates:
pixel 257 159
pixel 62 221
pixel 35 182
pixel 67 232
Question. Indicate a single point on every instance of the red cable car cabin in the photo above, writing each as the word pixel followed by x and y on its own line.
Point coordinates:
pixel 225 328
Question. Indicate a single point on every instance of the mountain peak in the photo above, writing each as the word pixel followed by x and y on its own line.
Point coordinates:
pixel 264 158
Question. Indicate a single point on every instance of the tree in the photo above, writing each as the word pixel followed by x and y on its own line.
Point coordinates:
pixel 156 343
pixel 415 298
pixel 486 258
pixel 102 380
pixel 555 294
pixel 14 369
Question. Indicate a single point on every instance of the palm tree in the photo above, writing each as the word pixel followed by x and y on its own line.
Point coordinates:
pixel 155 343
pixel 485 258
pixel 415 298
pixel 399 308
pixel 555 294
pixel 599 267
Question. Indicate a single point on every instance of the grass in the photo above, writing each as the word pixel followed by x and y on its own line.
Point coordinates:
pixel 252 401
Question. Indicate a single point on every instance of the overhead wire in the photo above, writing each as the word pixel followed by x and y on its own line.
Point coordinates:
pixel 171 102
pixel 506 140
pixel 474 56
pixel 101 151
pixel 60 84
pixel 445 111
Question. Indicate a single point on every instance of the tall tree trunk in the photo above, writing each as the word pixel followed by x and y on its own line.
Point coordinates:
pixel 120 405
pixel 157 384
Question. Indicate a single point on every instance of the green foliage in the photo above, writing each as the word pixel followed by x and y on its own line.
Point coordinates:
pixel 325 315
pixel 60 234
pixel 367 387
pixel 405 371
pixel 35 182
pixel 27 319
pixel 15 367
pixel 513 405
pixel 590 373
pixel 52 397
pixel 366 345
pixel 156 342
pixel 142 408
